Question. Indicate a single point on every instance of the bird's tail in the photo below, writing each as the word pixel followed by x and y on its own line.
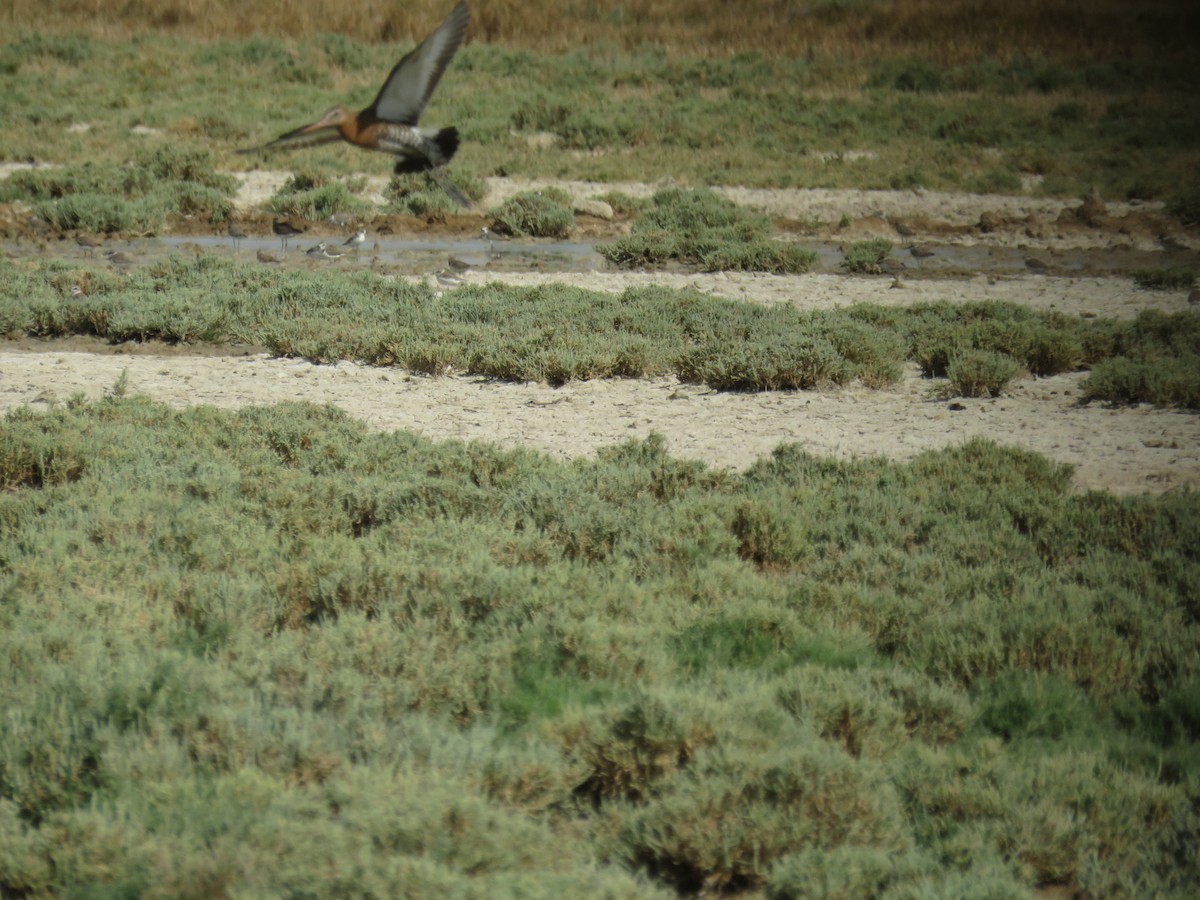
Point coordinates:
pixel 448 186
pixel 439 148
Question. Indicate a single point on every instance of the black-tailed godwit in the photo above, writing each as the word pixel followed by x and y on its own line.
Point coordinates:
pixel 389 124
pixel 286 230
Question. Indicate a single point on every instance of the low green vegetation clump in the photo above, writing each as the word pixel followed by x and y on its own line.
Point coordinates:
pixel 1153 358
pixel 555 333
pixel 700 228
pixel 547 213
pixel 314 196
pixel 242 646
pixel 136 197
pixel 981 373
pixel 422 194
pixel 866 257
pixel 1168 278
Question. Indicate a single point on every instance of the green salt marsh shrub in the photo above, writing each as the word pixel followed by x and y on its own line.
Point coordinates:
pixel 699 227
pixel 535 213
pixel 981 373
pixel 136 197
pixel 1169 278
pixel 314 197
pixel 1163 382
pixel 217 623
pixel 421 194
pixel 555 333
pixel 866 257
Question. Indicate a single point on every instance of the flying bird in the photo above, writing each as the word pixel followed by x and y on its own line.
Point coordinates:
pixel 389 124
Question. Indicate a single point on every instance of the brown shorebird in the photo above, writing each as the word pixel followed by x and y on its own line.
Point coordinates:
pixel 389 124
pixel 122 262
pixel 235 232
pixel 89 244
pixel 286 231
pixel 464 262
pixel 921 251
pixel 265 257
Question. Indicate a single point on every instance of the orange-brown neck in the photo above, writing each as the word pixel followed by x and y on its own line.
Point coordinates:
pixel 356 127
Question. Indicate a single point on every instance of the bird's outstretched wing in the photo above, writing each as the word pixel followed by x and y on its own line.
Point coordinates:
pixel 301 137
pixel 408 88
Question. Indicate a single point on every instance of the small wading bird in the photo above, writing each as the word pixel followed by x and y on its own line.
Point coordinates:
pixel 317 251
pixel 122 262
pixel 285 230
pixel 447 279
pixel 88 244
pixel 492 238
pixel 389 124
pixel 235 232
pixel 356 241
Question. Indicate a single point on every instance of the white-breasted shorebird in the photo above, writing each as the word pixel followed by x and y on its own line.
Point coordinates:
pixel 316 252
pixel 286 231
pixel 389 124
pixel 357 240
pixel 492 238
pixel 447 279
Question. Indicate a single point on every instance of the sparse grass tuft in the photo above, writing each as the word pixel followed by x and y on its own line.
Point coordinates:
pixel 1186 206
pixel 1170 278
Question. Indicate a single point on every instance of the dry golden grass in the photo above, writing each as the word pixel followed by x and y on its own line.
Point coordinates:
pixel 941 31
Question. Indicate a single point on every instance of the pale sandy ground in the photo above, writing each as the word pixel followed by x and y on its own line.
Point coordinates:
pixel 1123 450
pixel 1118 449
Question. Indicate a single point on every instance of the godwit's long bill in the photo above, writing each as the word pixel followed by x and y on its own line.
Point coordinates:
pixel 389 125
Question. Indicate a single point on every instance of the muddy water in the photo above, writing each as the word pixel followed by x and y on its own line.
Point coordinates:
pixel 418 256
